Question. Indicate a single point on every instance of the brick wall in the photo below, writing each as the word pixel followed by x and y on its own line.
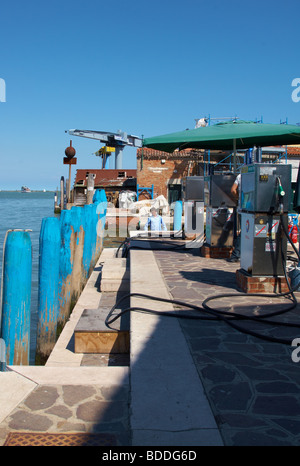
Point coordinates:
pixel 161 169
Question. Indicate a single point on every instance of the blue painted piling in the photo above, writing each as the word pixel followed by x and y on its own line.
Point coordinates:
pixel 65 267
pixel 94 235
pixel 48 303
pixel 101 219
pixel 79 251
pixel 177 223
pixel 97 196
pixel 16 296
pixel 87 257
pixel 77 281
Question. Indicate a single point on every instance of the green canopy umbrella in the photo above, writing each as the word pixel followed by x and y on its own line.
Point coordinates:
pixel 227 136
pixel 233 135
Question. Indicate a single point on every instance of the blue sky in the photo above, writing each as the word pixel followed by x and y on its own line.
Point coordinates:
pixel 145 67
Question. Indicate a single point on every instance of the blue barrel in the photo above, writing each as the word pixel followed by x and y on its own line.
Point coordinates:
pixel 48 304
pixel 177 223
pixel 16 296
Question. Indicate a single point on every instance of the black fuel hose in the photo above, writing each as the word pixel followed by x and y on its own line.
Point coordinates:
pixel 216 314
pixel 169 243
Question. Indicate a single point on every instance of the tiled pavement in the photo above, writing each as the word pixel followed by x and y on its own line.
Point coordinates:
pixel 252 385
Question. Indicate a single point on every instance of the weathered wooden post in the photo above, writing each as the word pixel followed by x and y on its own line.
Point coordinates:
pixel 70 159
pixel 16 296
pixel 101 201
pixel 62 193
pixel 65 268
pixel 77 283
pixel 88 239
pixel 90 188
pixel 48 304
pixel 94 235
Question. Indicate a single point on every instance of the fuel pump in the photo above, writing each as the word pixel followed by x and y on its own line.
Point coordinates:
pixel 193 205
pixel 219 202
pixel 265 202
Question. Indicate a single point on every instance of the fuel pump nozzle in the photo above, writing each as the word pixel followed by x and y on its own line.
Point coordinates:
pixel 280 194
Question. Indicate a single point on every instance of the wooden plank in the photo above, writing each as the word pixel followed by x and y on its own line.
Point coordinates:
pixel 93 320
pixel 102 342
pixel 92 335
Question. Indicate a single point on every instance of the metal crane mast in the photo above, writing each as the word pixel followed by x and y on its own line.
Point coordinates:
pixel 116 140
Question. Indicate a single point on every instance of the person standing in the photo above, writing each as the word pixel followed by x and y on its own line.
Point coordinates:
pixel 155 221
pixel 236 191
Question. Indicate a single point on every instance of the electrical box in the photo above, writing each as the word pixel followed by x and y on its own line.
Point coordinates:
pixel 261 244
pixel 259 187
pixel 193 188
pixel 217 190
pixel 219 226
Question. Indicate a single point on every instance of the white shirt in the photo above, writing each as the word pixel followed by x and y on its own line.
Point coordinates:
pixel 238 182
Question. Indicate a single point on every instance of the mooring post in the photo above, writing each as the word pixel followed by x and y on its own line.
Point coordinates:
pixel 62 193
pixel 101 210
pixel 77 283
pixel 90 188
pixel 88 239
pixel 177 222
pixel 97 196
pixel 94 235
pixel 16 296
pixel 48 304
pixel 65 267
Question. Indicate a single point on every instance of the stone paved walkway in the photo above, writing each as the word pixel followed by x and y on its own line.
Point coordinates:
pixel 80 408
pixel 69 408
pixel 253 385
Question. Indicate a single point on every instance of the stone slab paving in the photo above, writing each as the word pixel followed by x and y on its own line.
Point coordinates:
pixel 65 400
pixel 253 385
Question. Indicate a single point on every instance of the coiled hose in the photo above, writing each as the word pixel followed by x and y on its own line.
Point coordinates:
pixel 210 313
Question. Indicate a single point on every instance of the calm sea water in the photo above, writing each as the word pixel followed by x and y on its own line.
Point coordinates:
pixel 26 211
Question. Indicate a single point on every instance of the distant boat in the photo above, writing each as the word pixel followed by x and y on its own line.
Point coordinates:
pixel 25 189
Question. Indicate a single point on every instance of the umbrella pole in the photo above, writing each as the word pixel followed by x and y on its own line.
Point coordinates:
pixel 234 156
pixel 235 209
